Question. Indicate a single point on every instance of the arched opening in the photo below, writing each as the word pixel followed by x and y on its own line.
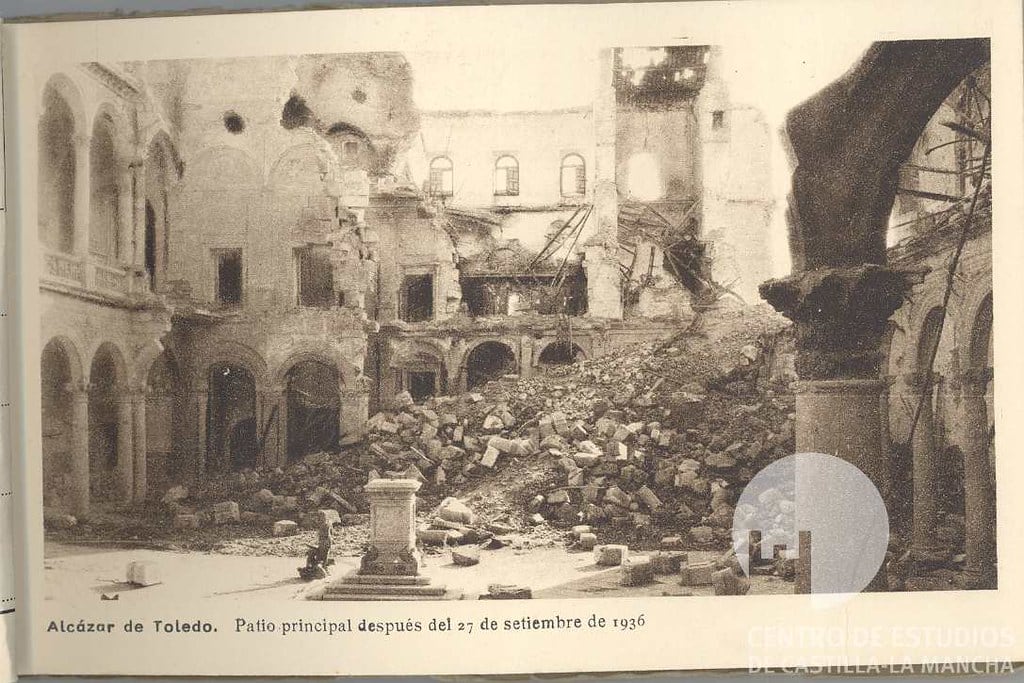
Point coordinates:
pixel 103 189
pixel 56 188
pixel 442 183
pixel 981 360
pixel 506 177
pixel 559 353
pixel 105 439
pixel 150 246
pixel 57 426
pixel 232 442
pixel 314 409
pixel 165 409
pixel 573 176
pixel 489 361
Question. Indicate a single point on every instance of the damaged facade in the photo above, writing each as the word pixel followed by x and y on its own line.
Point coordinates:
pixel 242 259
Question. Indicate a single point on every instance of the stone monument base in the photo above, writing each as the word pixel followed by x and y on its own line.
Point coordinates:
pixel 355 586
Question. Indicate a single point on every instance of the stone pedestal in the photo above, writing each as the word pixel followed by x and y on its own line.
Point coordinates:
pixel 390 567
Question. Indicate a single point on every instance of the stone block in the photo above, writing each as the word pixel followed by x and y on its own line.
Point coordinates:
pixel 728 582
pixel 497 591
pixel 225 512
pixel 285 527
pixel 668 562
pixel 637 570
pixel 648 498
pixel 581 529
pixel 438 536
pixel 588 541
pixel 143 574
pixel 697 574
pixel 672 543
pixel 186 521
pixel 558 497
pixel 490 457
pixel 610 555
pixel 454 510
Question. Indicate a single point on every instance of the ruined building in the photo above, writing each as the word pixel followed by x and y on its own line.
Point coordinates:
pixel 242 259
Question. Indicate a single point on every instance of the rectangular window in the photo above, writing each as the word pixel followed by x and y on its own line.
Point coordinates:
pixel 315 276
pixel 717 119
pixel 229 277
pixel 416 302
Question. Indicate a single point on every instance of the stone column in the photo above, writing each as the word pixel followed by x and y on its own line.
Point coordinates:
pixel 926 476
pixel 525 357
pixel 604 293
pixel 125 216
pixel 280 445
pixel 841 316
pixel 83 199
pixel 140 445
pixel 979 484
pixel 137 170
pixel 79 397
pixel 125 451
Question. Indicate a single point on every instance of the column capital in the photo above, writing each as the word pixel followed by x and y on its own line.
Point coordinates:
pixel 841 316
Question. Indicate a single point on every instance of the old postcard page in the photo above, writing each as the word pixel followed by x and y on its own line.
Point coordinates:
pixel 515 339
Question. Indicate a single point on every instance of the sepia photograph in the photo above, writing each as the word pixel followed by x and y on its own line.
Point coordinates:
pixel 464 325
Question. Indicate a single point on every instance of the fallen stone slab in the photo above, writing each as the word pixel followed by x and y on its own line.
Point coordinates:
pixel 588 541
pixel 697 574
pixel 637 570
pixel 581 529
pixel 438 536
pixel 610 555
pixel 466 556
pixel 497 591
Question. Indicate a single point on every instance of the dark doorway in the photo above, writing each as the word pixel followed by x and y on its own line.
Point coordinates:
pixel 488 362
pixel 421 384
pixel 229 277
pixel 417 298
pixel 560 353
pixel 58 427
pixel 151 244
pixel 231 419
pixel 103 426
pixel 314 409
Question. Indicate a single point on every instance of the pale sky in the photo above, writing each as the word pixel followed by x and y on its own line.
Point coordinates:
pixel 771 72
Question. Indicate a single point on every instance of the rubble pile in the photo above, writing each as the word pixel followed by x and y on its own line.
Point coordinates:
pixel 642 443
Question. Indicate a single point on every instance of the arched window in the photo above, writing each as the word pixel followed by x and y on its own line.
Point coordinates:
pixel 441 177
pixel 574 176
pixel 104 205
pixel 506 177
pixel 56 173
